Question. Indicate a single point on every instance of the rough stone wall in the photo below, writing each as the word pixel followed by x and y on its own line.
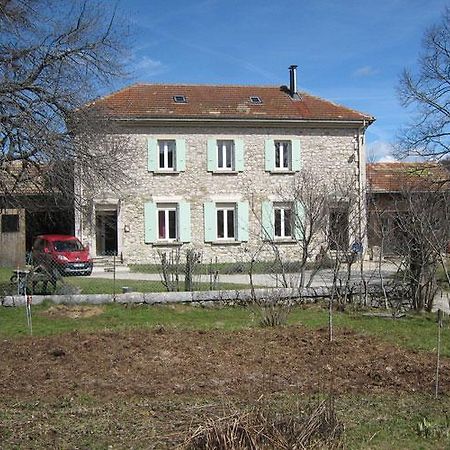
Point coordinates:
pixel 328 153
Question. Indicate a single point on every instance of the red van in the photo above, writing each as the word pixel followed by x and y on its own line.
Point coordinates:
pixel 62 252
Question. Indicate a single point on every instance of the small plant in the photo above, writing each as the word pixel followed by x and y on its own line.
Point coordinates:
pixel 430 430
pixel 273 310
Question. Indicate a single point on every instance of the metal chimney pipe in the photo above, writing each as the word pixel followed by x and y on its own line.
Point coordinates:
pixel 293 80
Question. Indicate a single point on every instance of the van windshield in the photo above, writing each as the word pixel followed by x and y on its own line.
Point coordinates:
pixel 68 246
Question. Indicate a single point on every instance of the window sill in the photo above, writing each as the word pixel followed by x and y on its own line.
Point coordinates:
pixel 226 242
pixel 281 172
pixel 286 240
pixel 225 172
pixel 168 244
pixel 165 172
pixel 279 240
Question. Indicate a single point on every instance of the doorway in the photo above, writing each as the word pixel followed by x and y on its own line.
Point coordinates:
pixel 106 232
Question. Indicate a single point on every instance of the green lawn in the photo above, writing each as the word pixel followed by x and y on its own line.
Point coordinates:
pixel 106 286
pixel 230 268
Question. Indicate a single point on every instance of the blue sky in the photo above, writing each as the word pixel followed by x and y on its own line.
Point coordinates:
pixel 350 52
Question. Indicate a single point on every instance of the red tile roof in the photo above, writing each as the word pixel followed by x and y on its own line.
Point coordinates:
pixel 222 102
pixel 398 177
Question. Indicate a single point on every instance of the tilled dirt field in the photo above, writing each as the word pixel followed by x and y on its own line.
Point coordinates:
pixel 163 363
pixel 151 389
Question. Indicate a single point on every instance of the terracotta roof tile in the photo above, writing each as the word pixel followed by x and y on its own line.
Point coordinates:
pixel 222 102
pixel 397 177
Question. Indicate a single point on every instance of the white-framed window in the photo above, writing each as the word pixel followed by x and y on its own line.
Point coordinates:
pixel 283 218
pixel 166 154
pixel 283 152
pixel 225 154
pixel 226 220
pixel 167 222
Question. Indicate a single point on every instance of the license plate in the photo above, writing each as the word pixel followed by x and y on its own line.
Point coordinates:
pixel 78 266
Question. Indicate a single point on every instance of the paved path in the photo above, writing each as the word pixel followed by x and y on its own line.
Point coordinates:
pixel 324 277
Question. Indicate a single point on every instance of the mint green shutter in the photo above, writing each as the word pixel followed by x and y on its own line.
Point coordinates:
pixel 152 154
pixel 267 220
pixel 270 155
pixel 149 222
pixel 299 220
pixel 212 155
pixel 296 160
pixel 209 211
pixel 180 155
pixel 184 222
pixel 239 155
pixel 242 221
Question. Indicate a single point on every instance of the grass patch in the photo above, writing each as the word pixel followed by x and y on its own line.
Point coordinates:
pixel 107 286
pixel 265 267
pixel 117 317
pixel 382 422
pixel 386 422
pixel 5 274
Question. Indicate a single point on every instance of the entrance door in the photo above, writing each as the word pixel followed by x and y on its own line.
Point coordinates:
pixel 106 232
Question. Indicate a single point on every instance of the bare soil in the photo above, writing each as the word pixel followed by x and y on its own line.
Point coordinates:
pixel 239 364
pixel 73 311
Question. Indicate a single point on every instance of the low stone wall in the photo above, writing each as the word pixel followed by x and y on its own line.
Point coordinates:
pixel 151 298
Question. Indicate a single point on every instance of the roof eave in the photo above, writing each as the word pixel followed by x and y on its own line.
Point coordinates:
pixel 231 121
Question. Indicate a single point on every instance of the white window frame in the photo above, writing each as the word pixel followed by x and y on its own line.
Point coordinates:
pixel 166 208
pixel 226 208
pixel 221 146
pixel 283 207
pixel 283 147
pixel 167 146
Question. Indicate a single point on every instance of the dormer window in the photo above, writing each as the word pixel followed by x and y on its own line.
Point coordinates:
pixel 179 99
pixel 255 100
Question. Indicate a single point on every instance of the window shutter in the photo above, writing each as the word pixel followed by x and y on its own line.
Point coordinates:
pixel 267 220
pixel 270 155
pixel 149 222
pixel 152 154
pixel 242 222
pixel 180 155
pixel 209 211
pixel 184 221
pixel 212 155
pixel 296 162
pixel 299 220
pixel 239 155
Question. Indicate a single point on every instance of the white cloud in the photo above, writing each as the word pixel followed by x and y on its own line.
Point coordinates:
pixel 380 151
pixel 148 66
pixel 365 71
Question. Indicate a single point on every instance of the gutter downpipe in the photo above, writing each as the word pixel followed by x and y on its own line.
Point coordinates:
pixel 361 208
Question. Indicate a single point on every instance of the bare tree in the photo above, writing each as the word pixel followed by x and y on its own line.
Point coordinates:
pixel 416 229
pixel 300 216
pixel 54 58
pixel 426 90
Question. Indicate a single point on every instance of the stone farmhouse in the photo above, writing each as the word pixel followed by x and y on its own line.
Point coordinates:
pixel 207 165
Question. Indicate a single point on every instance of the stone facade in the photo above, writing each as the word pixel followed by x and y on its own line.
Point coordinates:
pixel 332 153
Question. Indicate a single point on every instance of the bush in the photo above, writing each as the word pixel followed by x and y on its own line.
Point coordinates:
pixel 260 429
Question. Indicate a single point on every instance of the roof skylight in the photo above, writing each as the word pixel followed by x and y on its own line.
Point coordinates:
pixel 179 99
pixel 256 100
